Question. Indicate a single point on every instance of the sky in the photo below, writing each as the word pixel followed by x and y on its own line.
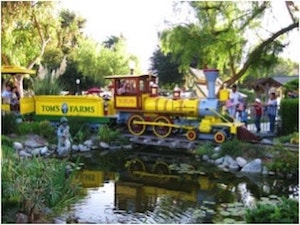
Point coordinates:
pixel 140 20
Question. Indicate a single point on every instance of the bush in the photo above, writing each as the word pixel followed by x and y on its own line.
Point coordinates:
pixel 36 184
pixel 108 135
pixel 25 128
pixel 284 212
pixel 8 123
pixel 284 161
pixel 206 149
pixel 236 148
pixel 289 111
pixel 79 129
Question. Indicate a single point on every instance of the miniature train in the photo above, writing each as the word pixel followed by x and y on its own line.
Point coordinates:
pixel 136 104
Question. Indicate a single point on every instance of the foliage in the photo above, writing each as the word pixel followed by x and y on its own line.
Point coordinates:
pixel 287 138
pixel 8 123
pixel 165 68
pixel 286 211
pixel 289 111
pixel 205 149
pixel 284 161
pixel 236 148
pixel 79 129
pixel 36 184
pixel 47 130
pixel 108 135
pixel 216 38
pixel 47 86
pixel 25 128
pixel 291 86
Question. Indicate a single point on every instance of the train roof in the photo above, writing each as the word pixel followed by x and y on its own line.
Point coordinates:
pixel 16 70
pixel 129 76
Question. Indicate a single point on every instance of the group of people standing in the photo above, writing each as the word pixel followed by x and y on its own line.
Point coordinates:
pixel 11 96
pixel 237 109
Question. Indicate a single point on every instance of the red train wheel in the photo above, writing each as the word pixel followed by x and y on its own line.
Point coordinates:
pixel 136 129
pixel 220 137
pixel 191 135
pixel 162 131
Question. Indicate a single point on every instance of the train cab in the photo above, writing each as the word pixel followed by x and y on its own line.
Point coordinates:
pixel 129 91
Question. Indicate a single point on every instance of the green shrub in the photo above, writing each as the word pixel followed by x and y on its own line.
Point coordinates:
pixel 37 184
pixel 236 148
pixel 284 161
pixel 284 212
pixel 231 147
pixel 206 149
pixel 25 128
pixel 46 130
pixel 8 123
pixel 109 135
pixel 79 129
pixel 289 111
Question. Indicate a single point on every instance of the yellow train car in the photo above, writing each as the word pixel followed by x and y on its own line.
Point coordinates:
pixel 52 107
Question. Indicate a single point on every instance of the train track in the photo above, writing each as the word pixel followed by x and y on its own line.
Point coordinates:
pixel 178 142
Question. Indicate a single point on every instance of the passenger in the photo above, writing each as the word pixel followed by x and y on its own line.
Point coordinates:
pixel 258 114
pixel 6 94
pixel 235 98
pixel 272 111
pixel 244 115
pixel 122 89
pixel 15 100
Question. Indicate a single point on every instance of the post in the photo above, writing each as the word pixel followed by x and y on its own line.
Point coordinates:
pixel 77 86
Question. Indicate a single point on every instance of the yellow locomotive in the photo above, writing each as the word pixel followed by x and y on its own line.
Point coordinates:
pixel 136 104
pixel 139 106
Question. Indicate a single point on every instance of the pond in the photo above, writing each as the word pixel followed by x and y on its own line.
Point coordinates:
pixel 126 191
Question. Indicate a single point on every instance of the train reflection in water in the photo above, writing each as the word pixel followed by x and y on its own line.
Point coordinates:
pixel 147 188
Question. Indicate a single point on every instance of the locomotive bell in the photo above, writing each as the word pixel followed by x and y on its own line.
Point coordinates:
pixel 154 90
pixel 176 92
pixel 211 76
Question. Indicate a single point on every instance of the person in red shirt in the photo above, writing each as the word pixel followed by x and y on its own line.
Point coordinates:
pixel 258 113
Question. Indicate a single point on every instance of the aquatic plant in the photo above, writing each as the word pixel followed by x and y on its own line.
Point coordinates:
pixel 37 184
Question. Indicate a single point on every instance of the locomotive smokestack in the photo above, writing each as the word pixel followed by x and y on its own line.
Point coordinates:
pixel 211 76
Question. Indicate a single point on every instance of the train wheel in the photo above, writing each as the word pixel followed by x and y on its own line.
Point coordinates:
pixel 191 135
pixel 136 129
pixel 162 131
pixel 220 137
pixel 136 165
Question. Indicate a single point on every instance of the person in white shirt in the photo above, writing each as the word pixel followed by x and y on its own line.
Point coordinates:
pixel 6 95
pixel 235 98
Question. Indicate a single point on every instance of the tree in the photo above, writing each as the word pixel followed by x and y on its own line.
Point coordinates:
pixel 165 68
pixel 218 39
pixel 33 33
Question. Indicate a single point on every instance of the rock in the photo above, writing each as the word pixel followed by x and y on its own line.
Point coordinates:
pixel 241 161
pixel 44 150
pixel 83 148
pixel 35 151
pixel 217 149
pixel 88 143
pixel 266 141
pixel 21 218
pixel 17 146
pixel 25 154
pixel 75 148
pixel 219 161
pixel 254 166
pixel 104 145
pixel 205 157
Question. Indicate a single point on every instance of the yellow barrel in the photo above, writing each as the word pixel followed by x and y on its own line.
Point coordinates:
pixel 185 107
pixel 224 95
